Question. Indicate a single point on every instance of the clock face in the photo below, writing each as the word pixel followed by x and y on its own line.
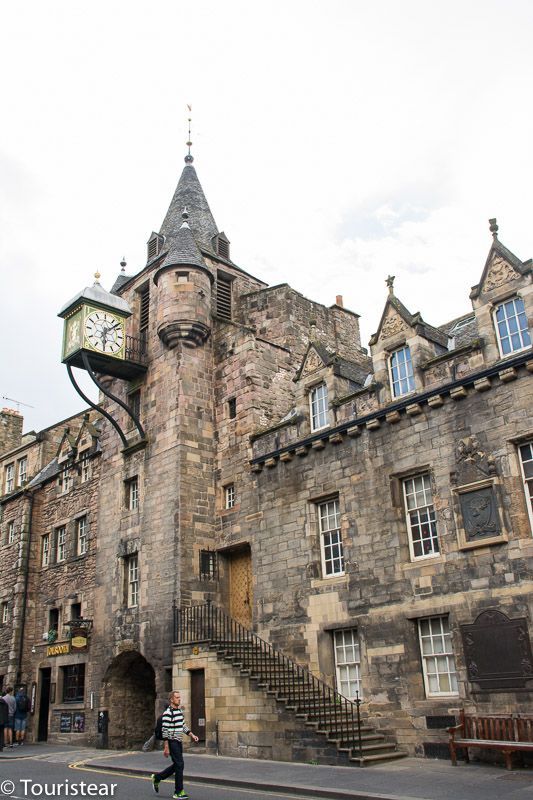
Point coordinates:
pixel 104 332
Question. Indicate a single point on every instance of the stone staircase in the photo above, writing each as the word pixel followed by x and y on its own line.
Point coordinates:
pixel 315 705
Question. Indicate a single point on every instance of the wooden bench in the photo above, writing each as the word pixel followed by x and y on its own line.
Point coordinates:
pixel 508 733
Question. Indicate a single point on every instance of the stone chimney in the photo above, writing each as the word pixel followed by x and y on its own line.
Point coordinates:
pixel 10 429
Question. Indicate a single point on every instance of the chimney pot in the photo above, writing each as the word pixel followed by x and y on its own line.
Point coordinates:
pixel 338 301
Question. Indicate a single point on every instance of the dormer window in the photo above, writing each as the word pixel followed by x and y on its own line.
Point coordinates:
pixel 155 245
pixel 222 246
pixel 401 372
pixel 318 404
pixel 511 326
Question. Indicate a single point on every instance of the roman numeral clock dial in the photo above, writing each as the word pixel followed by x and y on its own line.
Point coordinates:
pixel 104 332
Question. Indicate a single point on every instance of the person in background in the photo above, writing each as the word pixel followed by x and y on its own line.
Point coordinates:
pixel 12 707
pixel 21 715
pixel 4 716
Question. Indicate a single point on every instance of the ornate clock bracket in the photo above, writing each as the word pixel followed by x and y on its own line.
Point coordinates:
pixel 127 409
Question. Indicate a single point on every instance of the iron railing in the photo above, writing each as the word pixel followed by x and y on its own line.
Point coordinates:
pixel 331 712
pixel 136 349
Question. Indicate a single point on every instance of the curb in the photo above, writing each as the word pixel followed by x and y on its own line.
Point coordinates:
pixel 295 789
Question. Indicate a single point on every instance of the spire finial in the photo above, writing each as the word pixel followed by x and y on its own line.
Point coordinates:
pixel 390 283
pixel 188 158
pixel 123 264
pixel 493 228
pixel 97 277
pixel 185 217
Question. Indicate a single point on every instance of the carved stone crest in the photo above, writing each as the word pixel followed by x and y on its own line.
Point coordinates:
pixel 499 273
pixel 480 514
pixel 391 325
pixel 470 453
pixel 312 362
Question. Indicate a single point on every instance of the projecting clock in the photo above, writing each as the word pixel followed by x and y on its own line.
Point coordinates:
pixel 104 332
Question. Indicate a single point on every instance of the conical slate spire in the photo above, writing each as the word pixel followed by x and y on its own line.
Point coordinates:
pixel 189 193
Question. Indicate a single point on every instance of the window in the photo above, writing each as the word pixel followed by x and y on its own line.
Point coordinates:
pixel 65 481
pixel 511 323
pixel 208 565
pixel 22 471
pixel 401 368
pixel 348 663
pixel 526 463
pixel 232 407
pixel 82 535
pixel 73 683
pixel 132 493
pixel 438 662
pixel 5 613
pixel 85 468
pixel 53 619
pixel 330 536
pixel 45 550
pixel 318 400
pixel 134 402
pixel 132 577
pixel 10 532
pixel 224 297
pixel 61 543
pixel 421 520
pixel 229 495
pixel 10 478
pixel 75 612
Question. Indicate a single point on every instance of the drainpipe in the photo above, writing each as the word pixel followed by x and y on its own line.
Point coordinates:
pixel 25 594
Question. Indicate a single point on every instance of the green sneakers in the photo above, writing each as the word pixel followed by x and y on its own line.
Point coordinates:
pixel 155 783
pixel 180 795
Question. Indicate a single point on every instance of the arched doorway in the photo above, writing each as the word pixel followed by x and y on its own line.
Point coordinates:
pixel 129 696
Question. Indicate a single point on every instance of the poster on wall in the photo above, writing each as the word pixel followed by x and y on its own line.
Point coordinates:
pixel 65 722
pixel 78 724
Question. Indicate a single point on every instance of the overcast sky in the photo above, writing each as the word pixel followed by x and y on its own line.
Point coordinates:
pixel 337 142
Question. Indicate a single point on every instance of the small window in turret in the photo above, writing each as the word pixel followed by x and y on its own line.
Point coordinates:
pixel 182 277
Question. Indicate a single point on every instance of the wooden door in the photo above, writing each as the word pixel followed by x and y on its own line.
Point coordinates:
pixel 241 587
pixel 198 703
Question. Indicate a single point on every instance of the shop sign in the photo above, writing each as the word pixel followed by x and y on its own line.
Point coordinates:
pixel 58 649
pixel 78 642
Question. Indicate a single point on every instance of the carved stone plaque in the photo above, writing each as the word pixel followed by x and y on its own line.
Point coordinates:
pixel 500 272
pixel 498 652
pixel 480 514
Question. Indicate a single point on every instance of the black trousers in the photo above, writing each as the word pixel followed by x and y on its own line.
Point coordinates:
pixel 1 736
pixel 176 754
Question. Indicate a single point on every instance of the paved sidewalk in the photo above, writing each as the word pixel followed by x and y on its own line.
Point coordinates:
pixel 408 779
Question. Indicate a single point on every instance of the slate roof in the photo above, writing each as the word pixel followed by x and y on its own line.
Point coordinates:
pixel 183 249
pixel 342 367
pixel 190 194
pixel 97 294
pixel 466 330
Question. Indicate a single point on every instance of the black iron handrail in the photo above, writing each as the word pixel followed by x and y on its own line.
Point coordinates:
pixel 136 349
pixel 296 685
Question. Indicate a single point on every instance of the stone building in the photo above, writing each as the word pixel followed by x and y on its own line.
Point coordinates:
pixel 298 520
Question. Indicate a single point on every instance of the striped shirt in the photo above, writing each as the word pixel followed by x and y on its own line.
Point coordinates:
pixel 173 724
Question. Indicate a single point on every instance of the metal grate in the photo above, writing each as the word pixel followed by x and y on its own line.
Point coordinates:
pixel 223 248
pixel 153 247
pixel 224 298
pixel 208 565
pixel 144 315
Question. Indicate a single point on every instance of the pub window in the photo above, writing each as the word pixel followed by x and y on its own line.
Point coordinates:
pixel 73 683
pixel 208 565
pixel 223 297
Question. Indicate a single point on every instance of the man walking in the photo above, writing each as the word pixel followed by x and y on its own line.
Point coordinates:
pixel 173 729
pixel 12 707
pixel 21 715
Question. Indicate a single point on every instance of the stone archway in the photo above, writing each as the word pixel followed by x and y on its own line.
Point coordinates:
pixel 129 695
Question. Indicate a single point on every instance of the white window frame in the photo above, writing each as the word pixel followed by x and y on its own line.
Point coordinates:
pixel 132 493
pixel 527 481
pixel 11 531
pixel 45 550
pixel 417 525
pixel 438 659
pixel 82 535
pixel 61 544
pixel 65 480
pixel 85 467
pixel 318 407
pixel 10 477
pixel 329 525
pixel 5 613
pixel 523 333
pixel 132 579
pixel 347 650
pixel 409 376
pixel 229 496
pixel 22 470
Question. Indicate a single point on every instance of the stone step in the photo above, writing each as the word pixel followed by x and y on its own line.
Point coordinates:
pixel 367 761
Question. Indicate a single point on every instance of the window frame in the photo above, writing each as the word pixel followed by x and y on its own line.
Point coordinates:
pixel 61 544
pixel 9 482
pixel 432 522
pixel 5 612
pixel 410 373
pixel 132 580
pixel 65 480
pixel 22 470
pixel 356 645
pixel 501 304
pixel 85 467
pixel 82 535
pixel 317 413
pixel 527 483
pixel 229 496
pixel 45 550
pixel 10 539
pixel 132 493
pixel 73 682
pixel 435 654
pixel 328 532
